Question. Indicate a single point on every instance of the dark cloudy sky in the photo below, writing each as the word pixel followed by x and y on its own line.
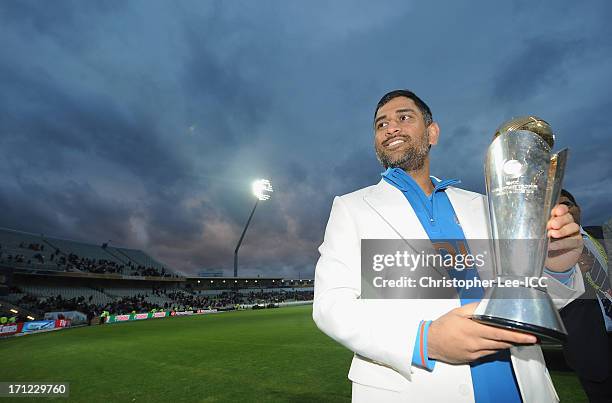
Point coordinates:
pixel 144 122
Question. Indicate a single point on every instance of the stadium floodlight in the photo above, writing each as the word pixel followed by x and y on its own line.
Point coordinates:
pixel 261 190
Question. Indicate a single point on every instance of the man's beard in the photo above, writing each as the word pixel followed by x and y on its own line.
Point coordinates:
pixel 412 159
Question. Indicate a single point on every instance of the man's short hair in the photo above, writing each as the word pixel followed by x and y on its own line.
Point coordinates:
pixel 569 196
pixel 427 116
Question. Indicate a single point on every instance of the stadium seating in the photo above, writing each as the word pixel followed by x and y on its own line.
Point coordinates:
pixel 21 249
pixel 14 297
pixel 138 257
pixel 98 278
pixel 98 297
pixel 127 292
pixel 84 250
pixel 38 252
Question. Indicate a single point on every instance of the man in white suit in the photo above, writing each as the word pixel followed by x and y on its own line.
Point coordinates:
pixel 409 350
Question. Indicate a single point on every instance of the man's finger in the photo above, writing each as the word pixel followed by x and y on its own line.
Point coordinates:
pixel 559 221
pixel 467 310
pixel 565 231
pixel 558 210
pixel 504 335
pixel 487 344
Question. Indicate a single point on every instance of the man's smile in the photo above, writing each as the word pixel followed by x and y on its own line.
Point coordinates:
pixel 393 142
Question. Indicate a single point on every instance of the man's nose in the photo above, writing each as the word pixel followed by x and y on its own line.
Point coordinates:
pixel 392 128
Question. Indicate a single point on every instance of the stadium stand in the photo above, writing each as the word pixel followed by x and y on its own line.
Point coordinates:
pixel 39 252
pixel 139 258
pixel 91 295
pixel 49 274
pixel 91 252
pixel 22 249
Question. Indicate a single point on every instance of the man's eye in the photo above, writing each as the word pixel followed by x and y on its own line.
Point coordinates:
pixel 405 117
pixel 381 125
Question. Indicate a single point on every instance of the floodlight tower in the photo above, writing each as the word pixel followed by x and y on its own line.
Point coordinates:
pixel 261 190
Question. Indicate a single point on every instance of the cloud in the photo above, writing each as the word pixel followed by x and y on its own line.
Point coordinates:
pixel 539 64
pixel 145 122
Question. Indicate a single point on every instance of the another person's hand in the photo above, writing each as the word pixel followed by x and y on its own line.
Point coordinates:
pixel 456 339
pixel 566 243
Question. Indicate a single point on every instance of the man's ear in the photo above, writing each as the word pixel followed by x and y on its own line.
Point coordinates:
pixel 434 133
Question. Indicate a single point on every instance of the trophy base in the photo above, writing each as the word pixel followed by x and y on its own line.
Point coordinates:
pixel 529 310
pixel 544 334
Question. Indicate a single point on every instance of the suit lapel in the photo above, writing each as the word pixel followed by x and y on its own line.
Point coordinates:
pixel 391 205
pixel 471 212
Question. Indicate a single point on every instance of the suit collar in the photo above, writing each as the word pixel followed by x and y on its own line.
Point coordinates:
pixel 404 182
pixel 389 203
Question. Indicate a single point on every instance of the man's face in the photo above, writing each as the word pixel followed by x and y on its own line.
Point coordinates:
pixel 401 139
pixel 574 209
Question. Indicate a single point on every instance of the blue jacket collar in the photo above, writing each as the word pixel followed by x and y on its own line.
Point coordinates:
pixel 404 182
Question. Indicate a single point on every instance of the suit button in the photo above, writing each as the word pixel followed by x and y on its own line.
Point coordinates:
pixel 464 389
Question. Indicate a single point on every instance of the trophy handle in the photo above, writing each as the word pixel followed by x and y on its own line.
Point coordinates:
pixel 555 179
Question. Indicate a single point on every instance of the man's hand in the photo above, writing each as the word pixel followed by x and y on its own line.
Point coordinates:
pixel 456 339
pixel 566 244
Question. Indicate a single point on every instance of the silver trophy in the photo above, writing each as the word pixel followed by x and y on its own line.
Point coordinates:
pixel 523 181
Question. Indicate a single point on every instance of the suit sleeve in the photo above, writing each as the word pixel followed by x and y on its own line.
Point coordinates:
pixel 562 293
pixel 370 328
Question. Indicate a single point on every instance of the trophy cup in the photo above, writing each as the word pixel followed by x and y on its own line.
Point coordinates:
pixel 523 181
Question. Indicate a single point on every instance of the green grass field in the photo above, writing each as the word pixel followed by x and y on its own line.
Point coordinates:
pixel 273 355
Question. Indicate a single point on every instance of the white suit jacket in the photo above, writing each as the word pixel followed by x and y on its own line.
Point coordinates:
pixel 382 332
